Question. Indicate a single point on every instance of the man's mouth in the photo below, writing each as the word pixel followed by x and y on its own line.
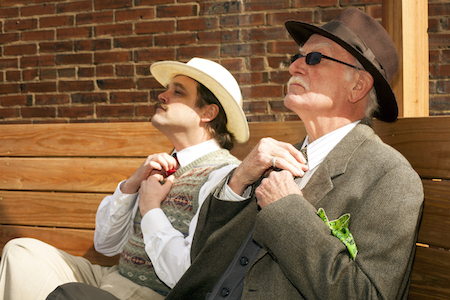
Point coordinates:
pixel 160 106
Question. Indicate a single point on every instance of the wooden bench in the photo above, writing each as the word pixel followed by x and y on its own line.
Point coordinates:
pixel 53 177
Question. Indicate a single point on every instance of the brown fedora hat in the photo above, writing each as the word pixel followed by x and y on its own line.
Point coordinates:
pixel 367 40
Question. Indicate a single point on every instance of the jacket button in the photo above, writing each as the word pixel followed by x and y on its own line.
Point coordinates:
pixel 243 261
pixel 224 292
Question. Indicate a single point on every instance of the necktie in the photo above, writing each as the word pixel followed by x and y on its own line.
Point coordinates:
pixel 173 170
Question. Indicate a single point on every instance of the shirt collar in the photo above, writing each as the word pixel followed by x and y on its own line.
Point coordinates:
pixel 188 155
pixel 319 149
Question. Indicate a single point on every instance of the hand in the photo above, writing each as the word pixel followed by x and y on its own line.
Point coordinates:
pixel 276 186
pixel 158 163
pixel 259 161
pixel 152 192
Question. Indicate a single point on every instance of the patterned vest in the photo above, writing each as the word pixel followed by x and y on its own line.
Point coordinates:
pixel 180 206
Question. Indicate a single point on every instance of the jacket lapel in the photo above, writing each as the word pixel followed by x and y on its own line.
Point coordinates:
pixel 335 164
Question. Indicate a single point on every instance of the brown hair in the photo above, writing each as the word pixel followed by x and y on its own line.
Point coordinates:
pixel 217 127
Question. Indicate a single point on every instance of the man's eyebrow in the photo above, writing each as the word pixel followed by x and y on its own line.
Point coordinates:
pixel 179 85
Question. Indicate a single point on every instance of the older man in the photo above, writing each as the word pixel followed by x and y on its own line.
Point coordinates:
pixel 151 217
pixel 343 224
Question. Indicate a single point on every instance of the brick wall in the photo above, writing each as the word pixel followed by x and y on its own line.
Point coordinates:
pixel 88 60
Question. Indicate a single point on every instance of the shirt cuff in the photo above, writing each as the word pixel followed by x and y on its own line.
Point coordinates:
pixel 123 202
pixel 227 194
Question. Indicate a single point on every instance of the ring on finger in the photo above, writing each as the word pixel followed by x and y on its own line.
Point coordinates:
pixel 274 161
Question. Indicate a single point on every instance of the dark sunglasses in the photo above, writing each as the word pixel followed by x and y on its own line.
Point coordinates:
pixel 314 58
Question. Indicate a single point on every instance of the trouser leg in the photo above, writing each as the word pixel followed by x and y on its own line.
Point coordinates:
pixel 31 269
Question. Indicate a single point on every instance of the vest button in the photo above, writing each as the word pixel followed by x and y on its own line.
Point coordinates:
pixel 243 261
pixel 224 292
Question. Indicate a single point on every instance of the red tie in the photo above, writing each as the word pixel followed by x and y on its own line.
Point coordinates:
pixel 173 170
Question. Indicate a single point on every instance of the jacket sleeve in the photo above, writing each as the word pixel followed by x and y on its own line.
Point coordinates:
pixel 384 219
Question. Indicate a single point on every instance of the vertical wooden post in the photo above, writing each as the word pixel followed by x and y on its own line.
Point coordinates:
pixel 407 24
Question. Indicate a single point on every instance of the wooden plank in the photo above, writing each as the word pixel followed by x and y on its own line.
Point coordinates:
pixel 407 24
pixel 430 276
pixel 84 139
pixel 77 242
pixel 66 174
pixel 435 226
pixel 425 142
pixel 290 132
pixel 69 210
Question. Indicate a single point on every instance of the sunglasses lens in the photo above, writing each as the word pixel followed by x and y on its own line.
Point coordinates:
pixel 313 58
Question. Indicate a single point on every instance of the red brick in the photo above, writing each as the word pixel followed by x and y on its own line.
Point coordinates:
pixel 443 70
pixel 6 38
pixel 51 99
pixel 242 20
pixel 8 63
pixel 74 6
pixel 256 63
pixel 135 14
pixel 115 29
pixel 446 56
pixel 155 54
pixel 280 77
pixel 276 62
pixel 233 64
pixel 75 112
pixel 116 84
pixel 38 112
pixel 9 88
pixel 264 34
pixel 143 70
pixel 200 51
pixel 221 7
pixel 115 111
pixel 10 12
pixel 176 11
pixel 19 100
pixel 56 21
pixel 105 71
pixel 154 27
pixel 123 97
pixel 89 98
pixel 86 72
pixel 38 87
pixel 252 78
pixel 145 110
pixel 133 42
pixel 254 6
pixel 56 46
pixel 327 15
pixel 112 57
pixel 33 10
pixel 20 49
pixel 78 32
pixel 198 24
pixel 175 39
pixel 15 2
pixel 93 45
pixel 265 91
pixel 108 4
pixel 29 74
pixel 439 40
pixel 209 37
pixel 255 107
pixel 47 74
pixel 313 3
pixel 20 24
pixel 278 106
pixel 66 73
pixel 38 35
pixel 152 2
pixel 12 75
pixel 375 11
pixel 73 59
pixel 282 47
pixel 125 70
pixel 438 9
pixel 35 61
pixel 279 18
pixel 148 83
pixel 9 113
pixel 78 85
pixel 94 18
pixel 249 49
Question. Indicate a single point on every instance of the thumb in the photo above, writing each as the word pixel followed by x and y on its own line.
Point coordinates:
pixel 168 182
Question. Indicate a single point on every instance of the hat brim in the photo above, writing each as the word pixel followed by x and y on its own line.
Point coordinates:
pixel 387 103
pixel 165 71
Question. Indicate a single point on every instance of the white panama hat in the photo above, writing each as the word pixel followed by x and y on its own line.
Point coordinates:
pixel 225 88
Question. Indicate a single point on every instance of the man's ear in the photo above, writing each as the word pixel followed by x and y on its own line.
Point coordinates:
pixel 363 85
pixel 210 112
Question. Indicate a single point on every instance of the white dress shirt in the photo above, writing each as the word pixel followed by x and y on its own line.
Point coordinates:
pixel 166 247
pixel 316 152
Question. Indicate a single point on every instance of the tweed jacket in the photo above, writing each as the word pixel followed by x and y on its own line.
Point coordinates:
pixel 301 259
